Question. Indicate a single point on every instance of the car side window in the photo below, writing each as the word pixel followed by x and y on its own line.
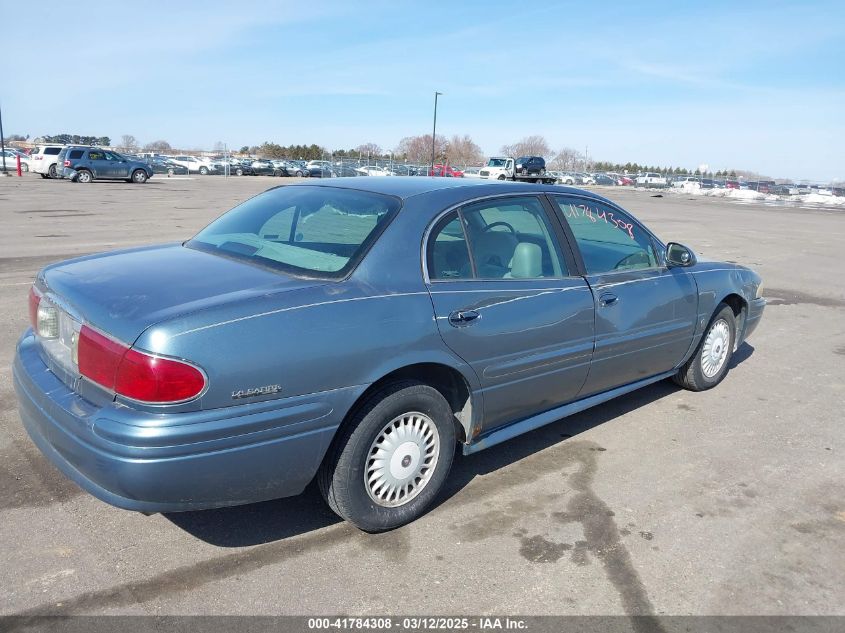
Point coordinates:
pixel 96 155
pixel 609 240
pixel 511 238
pixel 448 253
pixel 75 154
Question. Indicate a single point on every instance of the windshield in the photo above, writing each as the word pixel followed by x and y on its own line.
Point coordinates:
pixel 497 162
pixel 312 231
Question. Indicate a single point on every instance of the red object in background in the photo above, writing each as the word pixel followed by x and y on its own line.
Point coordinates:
pixel 625 180
pixel 18 157
pixel 731 184
pixel 445 170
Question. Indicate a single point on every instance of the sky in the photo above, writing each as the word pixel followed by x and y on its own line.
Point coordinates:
pixel 744 85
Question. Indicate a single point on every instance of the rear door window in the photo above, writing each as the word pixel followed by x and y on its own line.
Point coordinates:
pixel 75 154
pixel 52 151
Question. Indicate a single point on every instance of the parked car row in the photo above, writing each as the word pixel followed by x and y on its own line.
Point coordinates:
pixel 85 163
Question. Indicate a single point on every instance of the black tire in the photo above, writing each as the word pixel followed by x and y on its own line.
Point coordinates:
pixel 501 177
pixel 24 167
pixel 692 375
pixel 43 175
pixel 299 173
pixel 52 171
pixel 239 172
pixel 170 172
pixel 139 176
pixel 203 171
pixel 84 176
pixel 341 476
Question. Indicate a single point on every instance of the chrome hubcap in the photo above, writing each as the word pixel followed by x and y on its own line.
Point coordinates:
pixel 402 459
pixel 715 350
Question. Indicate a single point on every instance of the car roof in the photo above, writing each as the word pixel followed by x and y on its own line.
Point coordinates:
pixel 408 186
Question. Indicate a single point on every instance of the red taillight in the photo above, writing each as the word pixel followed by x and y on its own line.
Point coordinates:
pixel 67 163
pixel 134 374
pixel 34 300
pixel 99 357
pixel 155 379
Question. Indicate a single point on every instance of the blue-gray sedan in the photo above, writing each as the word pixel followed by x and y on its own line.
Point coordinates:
pixel 356 330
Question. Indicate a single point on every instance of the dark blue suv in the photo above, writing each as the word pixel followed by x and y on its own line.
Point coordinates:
pixel 84 164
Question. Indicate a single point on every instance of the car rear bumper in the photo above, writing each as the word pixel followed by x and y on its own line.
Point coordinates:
pixel 182 461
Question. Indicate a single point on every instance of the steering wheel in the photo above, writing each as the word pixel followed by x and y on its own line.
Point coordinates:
pixel 634 259
pixel 500 223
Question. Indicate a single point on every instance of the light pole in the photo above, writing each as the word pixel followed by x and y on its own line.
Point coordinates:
pixel 434 130
pixel 2 143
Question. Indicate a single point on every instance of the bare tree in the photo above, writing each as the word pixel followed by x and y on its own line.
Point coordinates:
pixel 529 146
pixel 462 150
pixel 128 143
pixel 417 149
pixel 158 146
pixel 369 149
pixel 567 159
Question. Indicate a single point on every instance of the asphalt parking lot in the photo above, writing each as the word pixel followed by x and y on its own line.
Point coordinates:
pixel 730 501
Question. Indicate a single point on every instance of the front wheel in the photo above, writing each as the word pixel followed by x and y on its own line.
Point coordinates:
pixel 203 171
pixel 139 176
pixel 501 177
pixel 239 172
pixel 390 460
pixel 709 364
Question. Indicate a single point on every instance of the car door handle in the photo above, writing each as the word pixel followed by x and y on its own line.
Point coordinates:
pixel 459 318
pixel 608 299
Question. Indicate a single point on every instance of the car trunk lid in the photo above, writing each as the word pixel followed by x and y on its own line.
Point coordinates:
pixel 125 292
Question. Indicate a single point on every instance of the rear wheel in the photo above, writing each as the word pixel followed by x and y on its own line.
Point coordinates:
pixel 709 364
pixel 52 171
pixel 139 176
pixel 170 171
pixel 390 460
pixel 203 171
pixel 84 176
pixel 239 172
pixel 43 175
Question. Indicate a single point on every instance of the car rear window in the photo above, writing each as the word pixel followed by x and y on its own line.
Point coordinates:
pixel 302 230
pixel 52 151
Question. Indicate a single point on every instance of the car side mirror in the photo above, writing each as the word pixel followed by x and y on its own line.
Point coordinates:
pixel 679 255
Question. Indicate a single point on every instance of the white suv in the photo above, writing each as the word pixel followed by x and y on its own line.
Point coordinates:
pixel 196 165
pixel 43 160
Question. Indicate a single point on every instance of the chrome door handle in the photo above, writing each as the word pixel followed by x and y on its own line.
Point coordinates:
pixel 608 299
pixel 460 318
